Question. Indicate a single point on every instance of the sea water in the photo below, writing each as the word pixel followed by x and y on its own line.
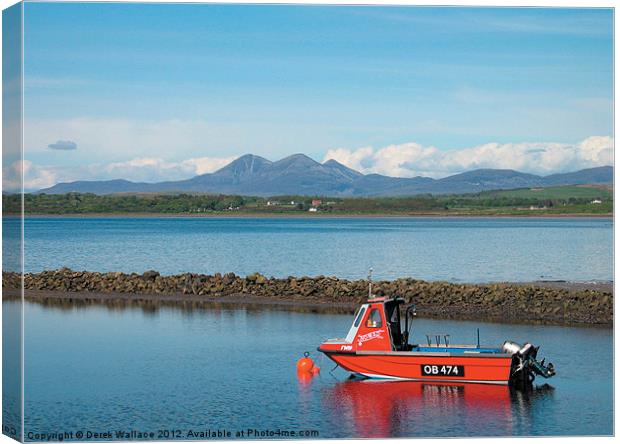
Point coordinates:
pixel 189 372
pixel 452 249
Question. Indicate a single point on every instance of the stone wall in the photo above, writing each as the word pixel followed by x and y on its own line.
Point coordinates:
pixel 498 302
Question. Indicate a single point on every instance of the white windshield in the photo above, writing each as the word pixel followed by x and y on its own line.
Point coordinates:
pixel 356 323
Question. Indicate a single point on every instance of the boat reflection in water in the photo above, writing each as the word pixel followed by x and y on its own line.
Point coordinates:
pixel 375 409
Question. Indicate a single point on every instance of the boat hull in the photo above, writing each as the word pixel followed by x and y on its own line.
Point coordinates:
pixel 426 367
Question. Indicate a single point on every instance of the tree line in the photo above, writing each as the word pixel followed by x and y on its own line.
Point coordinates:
pixel 84 203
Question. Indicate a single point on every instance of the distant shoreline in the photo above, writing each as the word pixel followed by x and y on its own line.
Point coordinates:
pixel 561 201
pixel 311 216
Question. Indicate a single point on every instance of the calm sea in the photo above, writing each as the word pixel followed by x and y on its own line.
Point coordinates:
pixel 97 369
pixel 453 249
pixel 171 371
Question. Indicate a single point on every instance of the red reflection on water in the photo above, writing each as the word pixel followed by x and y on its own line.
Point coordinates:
pixel 304 378
pixel 377 408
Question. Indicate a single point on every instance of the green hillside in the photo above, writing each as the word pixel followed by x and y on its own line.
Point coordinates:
pixel 560 192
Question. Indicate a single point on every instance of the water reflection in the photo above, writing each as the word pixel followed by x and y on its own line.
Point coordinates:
pixel 376 409
pixel 188 307
pixel 528 403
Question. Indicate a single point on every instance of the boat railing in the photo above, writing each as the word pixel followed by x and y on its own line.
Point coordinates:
pixel 437 337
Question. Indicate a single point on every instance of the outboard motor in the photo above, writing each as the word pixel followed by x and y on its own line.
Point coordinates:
pixel 525 366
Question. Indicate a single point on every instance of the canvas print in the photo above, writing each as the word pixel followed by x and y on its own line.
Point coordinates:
pixel 287 221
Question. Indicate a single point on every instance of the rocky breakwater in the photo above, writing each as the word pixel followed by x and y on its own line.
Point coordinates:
pixel 529 303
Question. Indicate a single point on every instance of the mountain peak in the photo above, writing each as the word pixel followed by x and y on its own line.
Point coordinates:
pixel 296 160
pixel 250 156
pixel 298 157
pixel 249 159
pixel 245 165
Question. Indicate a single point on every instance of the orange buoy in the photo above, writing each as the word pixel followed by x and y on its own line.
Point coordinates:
pixel 304 378
pixel 315 370
pixel 305 364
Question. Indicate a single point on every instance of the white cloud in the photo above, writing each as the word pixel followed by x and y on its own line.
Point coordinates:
pixel 352 159
pixel 413 159
pixel 37 177
pixel 148 169
pixel 203 165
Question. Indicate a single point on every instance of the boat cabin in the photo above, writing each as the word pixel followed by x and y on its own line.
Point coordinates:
pixel 377 326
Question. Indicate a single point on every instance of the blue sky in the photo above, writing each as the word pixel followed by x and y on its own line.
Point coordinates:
pixel 158 91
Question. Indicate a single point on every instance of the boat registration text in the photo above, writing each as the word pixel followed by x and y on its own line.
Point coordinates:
pixel 443 370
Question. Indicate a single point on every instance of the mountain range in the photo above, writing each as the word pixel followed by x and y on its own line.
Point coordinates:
pixel 300 175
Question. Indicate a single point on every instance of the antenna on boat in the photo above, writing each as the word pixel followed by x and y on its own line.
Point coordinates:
pixel 370 283
pixel 478 331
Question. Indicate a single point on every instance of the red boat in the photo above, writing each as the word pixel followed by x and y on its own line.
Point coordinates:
pixel 377 347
